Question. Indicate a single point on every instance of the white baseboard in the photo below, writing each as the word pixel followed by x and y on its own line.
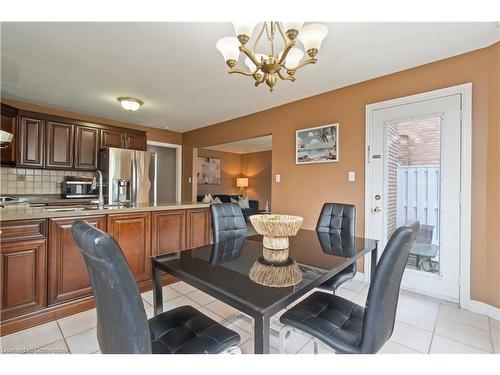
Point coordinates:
pixel 359 276
pixel 471 305
pixel 482 308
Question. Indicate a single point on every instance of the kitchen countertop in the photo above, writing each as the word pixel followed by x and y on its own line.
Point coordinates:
pixel 23 211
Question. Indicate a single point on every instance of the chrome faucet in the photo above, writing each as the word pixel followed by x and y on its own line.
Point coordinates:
pixel 100 200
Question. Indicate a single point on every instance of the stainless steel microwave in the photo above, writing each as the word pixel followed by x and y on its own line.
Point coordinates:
pixel 78 187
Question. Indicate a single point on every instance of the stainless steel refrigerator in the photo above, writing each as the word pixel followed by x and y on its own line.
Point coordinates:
pixel 129 176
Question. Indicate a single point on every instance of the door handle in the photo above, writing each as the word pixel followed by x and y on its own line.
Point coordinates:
pixel 377 209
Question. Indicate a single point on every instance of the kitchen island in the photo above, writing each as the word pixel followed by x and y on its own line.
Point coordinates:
pixel 44 276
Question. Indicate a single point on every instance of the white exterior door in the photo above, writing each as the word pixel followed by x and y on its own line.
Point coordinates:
pixel 428 193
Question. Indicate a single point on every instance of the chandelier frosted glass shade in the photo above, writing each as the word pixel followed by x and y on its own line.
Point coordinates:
pixel 244 30
pixel 271 66
pixel 312 36
pixel 293 58
pixel 229 47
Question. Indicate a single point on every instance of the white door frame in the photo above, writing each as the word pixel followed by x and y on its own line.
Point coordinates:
pixel 178 167
pixel 465 177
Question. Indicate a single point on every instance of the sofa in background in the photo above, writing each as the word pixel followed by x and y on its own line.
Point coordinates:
pixel 225 198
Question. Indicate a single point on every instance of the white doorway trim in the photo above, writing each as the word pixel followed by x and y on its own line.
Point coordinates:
pixel 465 177
pixel 178 167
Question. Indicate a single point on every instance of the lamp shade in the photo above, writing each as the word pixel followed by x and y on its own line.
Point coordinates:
pixel 244 28
pixel 292 26
pixel 293 58
pixel 312 35
pixel 229 47
pixel 242 182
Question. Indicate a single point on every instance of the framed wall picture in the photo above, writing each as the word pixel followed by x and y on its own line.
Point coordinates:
pixel 317 145
pixel 208 171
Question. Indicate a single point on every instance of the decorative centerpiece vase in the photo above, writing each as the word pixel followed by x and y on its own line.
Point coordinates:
pixel 275 267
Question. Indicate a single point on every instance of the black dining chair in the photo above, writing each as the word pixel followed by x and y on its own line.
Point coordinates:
pixel 338 219
pixel 122 324
pixel 227 221
pixel 345 326
pixel 226 251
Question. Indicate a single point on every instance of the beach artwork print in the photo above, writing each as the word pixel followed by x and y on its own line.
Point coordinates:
pixel 208 171
pixel 317 145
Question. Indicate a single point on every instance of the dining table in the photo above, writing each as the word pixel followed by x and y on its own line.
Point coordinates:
pixel 222 270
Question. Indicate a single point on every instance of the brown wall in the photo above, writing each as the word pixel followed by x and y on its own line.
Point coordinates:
pixel 257 166
pixel 309 186
pixel 230 164
pixel 155 134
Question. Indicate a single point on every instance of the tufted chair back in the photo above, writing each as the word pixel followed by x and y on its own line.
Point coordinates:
pixel 122 324
pixel 335 244
pixel 337 218
pixel 227 221
pixel 382 301
pixel 226 251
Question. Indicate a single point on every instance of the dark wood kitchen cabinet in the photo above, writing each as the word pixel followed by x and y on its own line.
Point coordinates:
pixel 123 138
pixel 24 267
pixel 112 138
pixel 67 272
pixel 9 124
pixel 30 141
pixel 168 231
pixel 59 145
pixel 132 231
pixel 135 141
pixel 197 227
pixel 86 147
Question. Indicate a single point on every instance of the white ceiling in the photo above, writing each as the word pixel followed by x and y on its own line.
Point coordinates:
pixel 178 73
pixel 247 145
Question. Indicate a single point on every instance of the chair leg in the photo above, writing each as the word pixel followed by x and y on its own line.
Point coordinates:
pixel 316 348
pixel 284 333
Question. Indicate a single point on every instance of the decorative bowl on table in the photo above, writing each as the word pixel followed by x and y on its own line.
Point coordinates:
pixel 275 268
pixel 276 229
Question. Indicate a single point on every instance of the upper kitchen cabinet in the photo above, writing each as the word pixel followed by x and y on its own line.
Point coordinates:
pixel 30 141
pixel 112 138
pixel 86 147
pixel 136 141
pixel 46 141
pixel 123 138
pixel 8 124
pixel 59 145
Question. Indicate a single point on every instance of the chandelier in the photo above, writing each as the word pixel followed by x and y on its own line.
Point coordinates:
pixel 268 67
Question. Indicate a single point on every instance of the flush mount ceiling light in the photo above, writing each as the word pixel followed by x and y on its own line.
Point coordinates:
pixel 271 66
pixel 130 104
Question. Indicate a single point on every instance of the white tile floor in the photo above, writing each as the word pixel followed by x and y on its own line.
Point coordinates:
pixel 423 325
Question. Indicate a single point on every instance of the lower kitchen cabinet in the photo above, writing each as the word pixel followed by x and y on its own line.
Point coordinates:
pixel 24 277
pixel 168 231
pixel 67 272
pixel 132 231
pixel 44 276
pixel 197 227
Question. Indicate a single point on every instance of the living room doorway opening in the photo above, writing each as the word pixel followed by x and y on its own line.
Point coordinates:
pixel 239 171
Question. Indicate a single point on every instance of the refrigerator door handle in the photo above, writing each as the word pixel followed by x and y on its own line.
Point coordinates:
pixel 133 195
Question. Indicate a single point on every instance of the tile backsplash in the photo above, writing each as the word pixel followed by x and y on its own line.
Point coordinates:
pixel 34 181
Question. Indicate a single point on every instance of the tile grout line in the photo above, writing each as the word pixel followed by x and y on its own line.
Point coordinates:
pixel 64 338
pixel 491 336
pixel 434 330
pixel 461 342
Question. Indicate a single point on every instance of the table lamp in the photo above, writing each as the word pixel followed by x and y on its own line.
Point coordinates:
pixel 242 183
